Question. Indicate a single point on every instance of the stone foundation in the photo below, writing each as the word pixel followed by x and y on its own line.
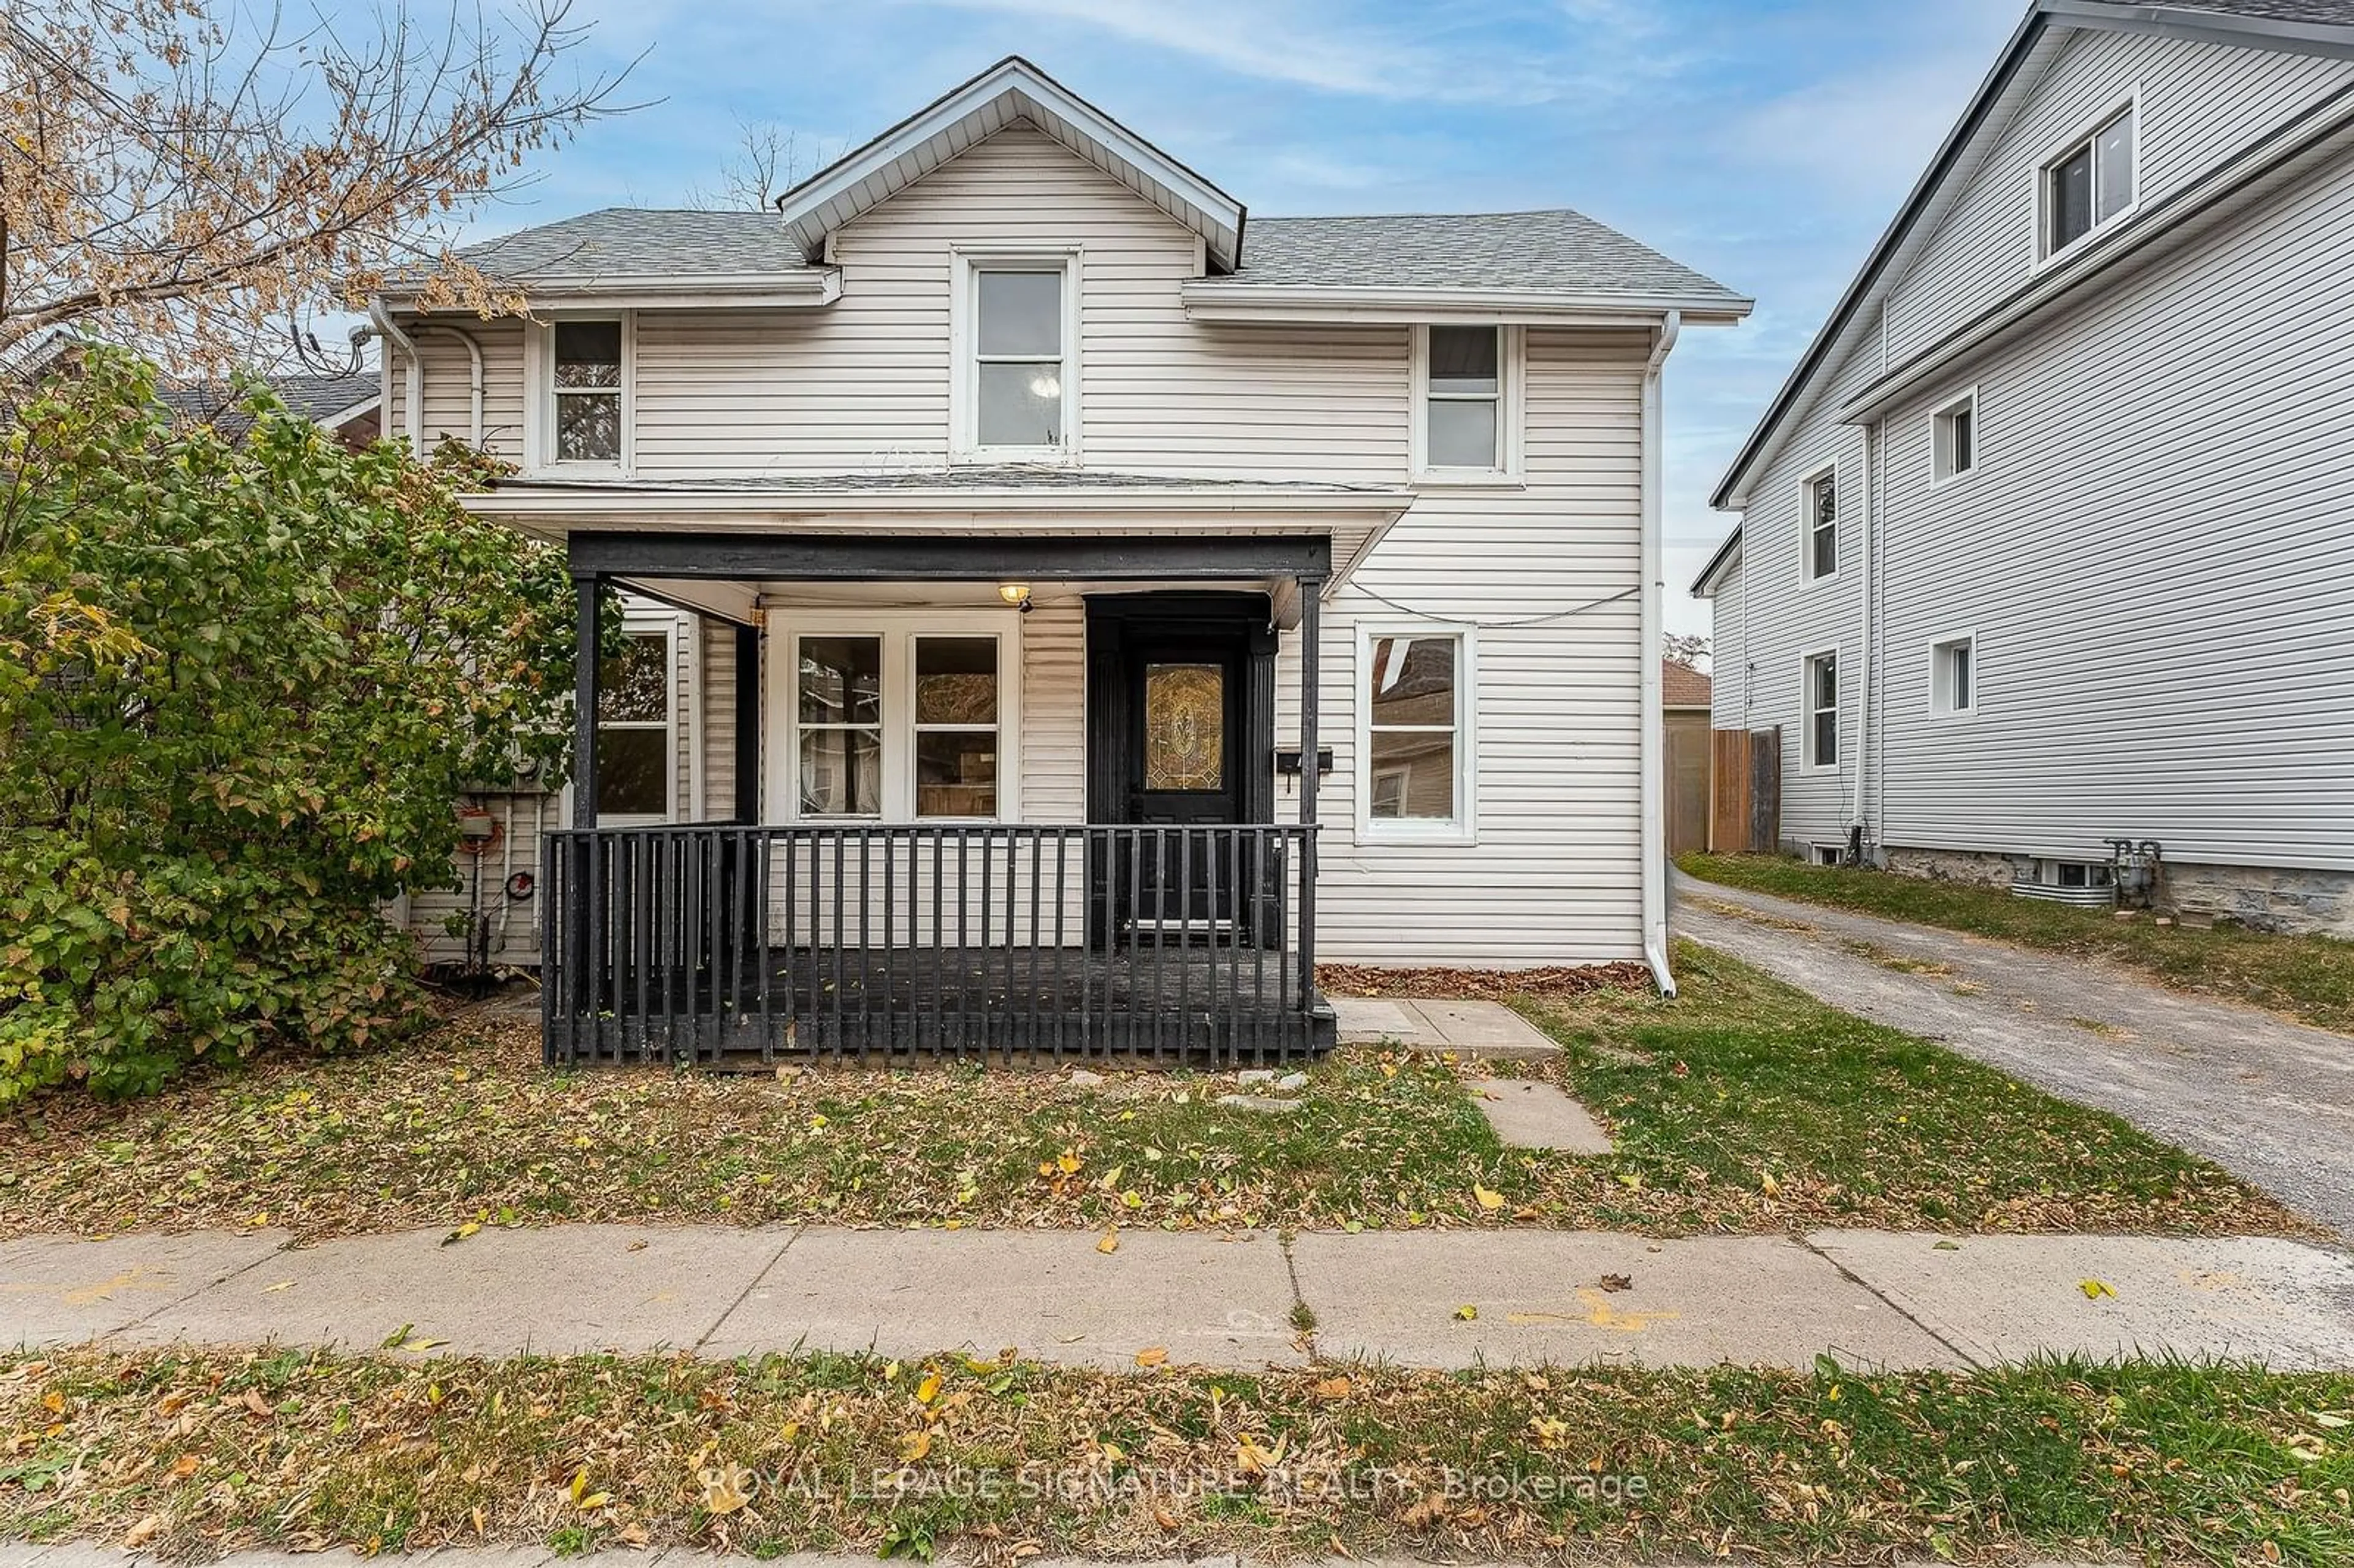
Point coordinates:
pixel 1967 866
pixel 2292 903
pixel 2295 903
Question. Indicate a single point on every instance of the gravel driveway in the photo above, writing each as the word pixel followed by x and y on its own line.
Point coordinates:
pixel 2271 1101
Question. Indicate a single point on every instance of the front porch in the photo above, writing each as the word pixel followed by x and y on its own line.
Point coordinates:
pixel 893 886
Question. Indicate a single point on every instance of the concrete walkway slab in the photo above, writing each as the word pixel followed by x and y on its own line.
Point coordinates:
pixel 1541 1296
pixel 561 1289
pixel 1528 1113
pixel 2269 1100
pixel 2006 1298
pixel 62 1290
pixel 1207 1299
pixel 1483 1030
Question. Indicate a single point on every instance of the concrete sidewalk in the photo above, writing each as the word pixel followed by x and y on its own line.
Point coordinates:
pixel 1867 1297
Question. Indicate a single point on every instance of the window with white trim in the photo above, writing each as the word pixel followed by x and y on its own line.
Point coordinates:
pixel 1465 395
pixel 1954 675
pixel 1415 734
pixel 1018 385
pixel 1954 439
pixel 585 393
pixel 901 717
pixel 1821 548
pixel 2089 183
pixel 637 730
pixel 1821 701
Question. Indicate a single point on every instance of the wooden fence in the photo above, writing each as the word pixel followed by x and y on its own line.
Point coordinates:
pixel 1746 791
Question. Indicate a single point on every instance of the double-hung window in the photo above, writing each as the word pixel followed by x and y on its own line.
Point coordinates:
pixel 586 410
pixel 1820 699
pixel 1820 546
pixel 1954 440
pixel 1017 388
pixel 1466 424
pixel 2089 183
pixel 1415 735
pixel 899 717
pixel 637 745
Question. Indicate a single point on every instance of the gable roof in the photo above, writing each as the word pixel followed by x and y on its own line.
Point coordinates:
pixel 1012 90
pixel 2324 26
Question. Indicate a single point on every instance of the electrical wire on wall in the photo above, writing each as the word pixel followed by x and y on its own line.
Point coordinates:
pixel 1505 625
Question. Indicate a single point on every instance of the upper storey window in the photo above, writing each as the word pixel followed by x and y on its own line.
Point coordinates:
pixel 2089 183
pixel 581 411
pixel 1018 379
pixel 1465 391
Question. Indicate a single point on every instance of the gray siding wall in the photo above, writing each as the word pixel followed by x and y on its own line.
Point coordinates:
pixel 2157 555
pixel 1552 874
pixel 1728 664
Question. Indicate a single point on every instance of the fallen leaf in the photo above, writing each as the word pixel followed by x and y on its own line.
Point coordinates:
pixel 462 1232
pixel 1488 1198
pixel 256 1404
pixel 184 1466
pixel 145 1531
pixel 1165 1519
pixel 1616 1282
pixel 1109 1242
pixel 2094 1289
pixel 1151 1356
pixel 1467 1312
pixel 1770 1187
pixel 930 1389
pixel 913 1445
pixel 1332 1388
pixel 725 1488
pixel 1946 1246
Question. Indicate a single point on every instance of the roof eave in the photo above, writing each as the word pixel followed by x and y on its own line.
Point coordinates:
pixel 1222 301
pixel 2334 40
pixel 589 502
pixel 1727 557
pixel 812 290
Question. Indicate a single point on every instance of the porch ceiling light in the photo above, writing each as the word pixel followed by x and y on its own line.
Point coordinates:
pixel 1016 594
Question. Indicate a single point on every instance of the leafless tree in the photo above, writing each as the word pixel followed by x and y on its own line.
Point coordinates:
pixel 193 175
pixel 768 161
pixel 1685 648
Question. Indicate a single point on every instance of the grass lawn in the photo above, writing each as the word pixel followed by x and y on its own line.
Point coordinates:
pixel 1743 1107
pixel 189 1453
pixel 2310 978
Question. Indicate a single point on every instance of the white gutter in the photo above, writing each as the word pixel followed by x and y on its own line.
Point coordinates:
pixel 475 387
pixel 806 289
pixel 414 414
pixel 1654 833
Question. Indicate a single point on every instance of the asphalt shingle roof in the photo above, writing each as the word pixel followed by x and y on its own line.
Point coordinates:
pixel 627 241
pixel 2316 13
pixel 1558 250
pixel 311 397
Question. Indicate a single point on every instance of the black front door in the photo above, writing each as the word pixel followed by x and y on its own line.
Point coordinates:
pixel 1180 735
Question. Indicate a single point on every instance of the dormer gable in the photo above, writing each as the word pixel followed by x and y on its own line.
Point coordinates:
pixel 1008 93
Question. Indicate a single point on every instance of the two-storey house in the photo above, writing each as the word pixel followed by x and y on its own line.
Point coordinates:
pixel 1066 610
pixel 2048 540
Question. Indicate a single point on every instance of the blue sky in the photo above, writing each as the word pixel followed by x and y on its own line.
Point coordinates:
pixel 1764 142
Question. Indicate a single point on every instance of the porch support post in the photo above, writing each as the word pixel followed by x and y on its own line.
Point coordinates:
pixel 1312 775
pixel 748 724
pixel 584 673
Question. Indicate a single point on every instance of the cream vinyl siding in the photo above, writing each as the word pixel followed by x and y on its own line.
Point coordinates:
pixel 449 398
pixel 2200 103
pixel 1553 874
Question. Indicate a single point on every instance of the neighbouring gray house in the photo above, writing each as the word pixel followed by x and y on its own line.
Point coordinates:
pixel 1065 606
pixel 2049 539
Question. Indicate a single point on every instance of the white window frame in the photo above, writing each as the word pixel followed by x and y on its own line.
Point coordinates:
pixel 539 407
pixel 1512 419
pixel 897 631
pixel 1807 761
pixel 1807 575
pixel 964 375
pixel 666 624
pixel 1941 437
pixel 1941 695
pixel 2088 129
pixel 1463 827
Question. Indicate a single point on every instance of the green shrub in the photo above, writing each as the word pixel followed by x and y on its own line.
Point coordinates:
pixel 241 682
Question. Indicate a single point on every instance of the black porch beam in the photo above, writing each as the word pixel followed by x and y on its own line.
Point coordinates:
pixel 587 593
pixel 870 558
pixel 748 724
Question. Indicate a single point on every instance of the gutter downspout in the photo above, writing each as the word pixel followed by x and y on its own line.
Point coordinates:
pixel 475 387
pixel 1857 826
pixel 1654 758
pixel 414 414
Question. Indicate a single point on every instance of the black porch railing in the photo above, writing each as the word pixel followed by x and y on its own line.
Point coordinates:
pixel 707 943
